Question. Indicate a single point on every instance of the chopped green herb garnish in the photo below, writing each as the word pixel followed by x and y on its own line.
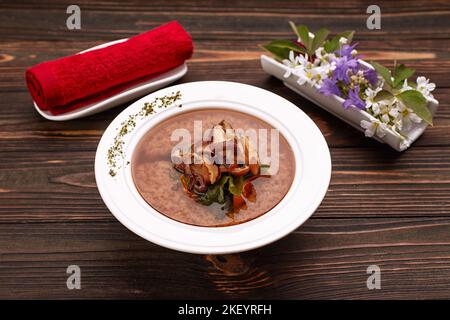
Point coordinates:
pixel 115 152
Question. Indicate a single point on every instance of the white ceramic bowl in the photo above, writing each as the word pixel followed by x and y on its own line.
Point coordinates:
pixel 312 176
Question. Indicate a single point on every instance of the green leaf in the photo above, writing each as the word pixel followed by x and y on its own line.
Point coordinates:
pixel 333 44
pixel 416 101
pixel 221 196
pixel 215 193
pixel 294 28
pixel 303 31
pixel 286 44
pixel 204 200
pixel 279 53
pixel 383 95
pixel 211 195
pixel 281 48
pixel 235 185
pixel 224 180
pixel 401 73
pixel 412 84
pixel 346 34
pixel 319 38
pixel 384 72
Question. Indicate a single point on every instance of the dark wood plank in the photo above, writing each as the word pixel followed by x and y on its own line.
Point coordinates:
pixel 325 258
pixel 232 6
pixel 252 19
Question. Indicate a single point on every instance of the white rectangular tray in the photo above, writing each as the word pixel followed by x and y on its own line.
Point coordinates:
pixel 333 104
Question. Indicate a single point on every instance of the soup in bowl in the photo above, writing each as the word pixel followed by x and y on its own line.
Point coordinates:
pixel 213 167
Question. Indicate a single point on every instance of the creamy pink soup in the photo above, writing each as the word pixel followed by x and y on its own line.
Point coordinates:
pixel 159 184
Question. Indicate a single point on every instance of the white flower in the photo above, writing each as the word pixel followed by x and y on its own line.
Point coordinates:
pixel 303 60
pixel 376 108
pixel 291 63
pixel 325 69
pixel 323 72
pixel 371 94
pixel 424 86
pixel 382 107
pixel 385 117
pixel 406 117
pixel 354 52
pixel 308 74
pixel 386 109
pixel 343 40
pixel 373 127
pixel 322 61
pixel 394 111
pixel 306 71
pixel 405 86
pixel 321 56
pixel 313 73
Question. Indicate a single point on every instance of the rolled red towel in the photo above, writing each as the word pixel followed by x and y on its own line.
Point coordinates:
pixel 72 82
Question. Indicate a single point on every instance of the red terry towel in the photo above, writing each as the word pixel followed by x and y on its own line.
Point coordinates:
pixel 72 82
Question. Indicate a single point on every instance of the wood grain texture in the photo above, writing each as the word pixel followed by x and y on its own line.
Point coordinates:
pixel 382 208
pixel 325 258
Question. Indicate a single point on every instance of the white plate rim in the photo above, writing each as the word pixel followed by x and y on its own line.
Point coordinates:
pixel 313 146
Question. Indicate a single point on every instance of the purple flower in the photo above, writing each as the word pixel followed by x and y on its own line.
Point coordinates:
pixel 343 65
pixel 329 87
pixel 371 76
pixel 346 51
pixel 354 99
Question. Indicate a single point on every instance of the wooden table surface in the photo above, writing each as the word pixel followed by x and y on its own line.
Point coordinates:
pixel 382 208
